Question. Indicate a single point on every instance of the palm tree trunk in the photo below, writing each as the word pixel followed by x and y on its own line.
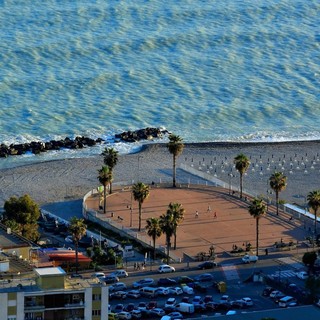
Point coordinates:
pixel 77 263
pixel 154 248
pixel 174 171
pixel 277 202
pixel 241 182
pixel 139 216
pixel 257 236
pixel 175 239
pixel 168 250
pixel 110 191
pixel 104 198
pixel 315 222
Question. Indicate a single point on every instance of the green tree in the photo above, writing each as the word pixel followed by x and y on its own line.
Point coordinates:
pixel 110 159
pixel 21 215
pixel 309 259
pixel 78 229
pixel 175 147
pixel 314 202
pixel 140 192
pixel 154 231
pixel 167 227
pixel 257 209
pixel 242 164
pixel 105 178
pixel 278 183
pixel 177 212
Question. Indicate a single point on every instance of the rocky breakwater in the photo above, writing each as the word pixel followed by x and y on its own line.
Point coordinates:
pixel 142 134
pixel 37 147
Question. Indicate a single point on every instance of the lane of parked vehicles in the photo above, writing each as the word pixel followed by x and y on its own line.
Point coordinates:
pixel 183 296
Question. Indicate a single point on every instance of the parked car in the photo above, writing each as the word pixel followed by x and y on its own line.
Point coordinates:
pixel 166 282
pixel 142 305
pixel 143 283
pixel 124 315
pixel 266 291
pixel 207 265
pixel 118 295
pixel 151 305
pixel 135 294
pixel 186 289
pixel 119 286
pixel 175 315
pixel 288 301
pixel 197 300
pixel 303 275
pixel 185 299
pixel 238 304
pixel 129 307
pixel 165 268
pixel 248 301
pixel 170 302
pixel 120 273
pixel 110 279
pixel 136 314
pixel 207 299
pixel 162 291
pixel 276 294
pixel 185 279
pixel 211 306
pixel 169 309
pixel 157 312
pixel 98 275
pixel 204 277
pixel 175 290
pixel 224 299
pixel 118 308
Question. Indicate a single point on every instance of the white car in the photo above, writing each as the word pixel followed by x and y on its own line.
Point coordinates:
pixel 248 301
pixel 120 273
pixel 170 302
pixel 186 289
pixel 165 268
pixel 162 291
pixel 302 275
pixel 276 294
pixel 176 290
pixel 224 299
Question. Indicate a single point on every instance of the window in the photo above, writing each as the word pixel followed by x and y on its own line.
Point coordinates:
pixel 96 297
pixel 96 312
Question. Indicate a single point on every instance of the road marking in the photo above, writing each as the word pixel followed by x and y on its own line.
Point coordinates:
pixel 283 274
pixel 293 263
pixel 230 271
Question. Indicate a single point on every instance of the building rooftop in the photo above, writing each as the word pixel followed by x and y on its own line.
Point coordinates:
pixel 53 271
pixel 10 240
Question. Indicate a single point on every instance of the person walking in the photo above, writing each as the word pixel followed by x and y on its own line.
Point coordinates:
pixel 197 214
pixel 215 215
pixel 209 209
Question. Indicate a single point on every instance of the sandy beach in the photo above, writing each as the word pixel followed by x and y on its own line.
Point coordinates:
pixel 68 179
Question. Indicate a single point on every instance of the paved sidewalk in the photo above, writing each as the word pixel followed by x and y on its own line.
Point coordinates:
pixel 212 217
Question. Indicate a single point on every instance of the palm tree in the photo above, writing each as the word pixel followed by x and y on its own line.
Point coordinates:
pixel 154 231
pixel 105 178
pixel 78 229
pixel 177 212
pixel 257 209
pixel 242 164
pixel 278 183
pixel 110 159
pixel 314 202
pixel 140 192
pixel 175 147
pixel 167 227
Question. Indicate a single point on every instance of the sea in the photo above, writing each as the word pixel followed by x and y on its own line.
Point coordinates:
pixel 206 70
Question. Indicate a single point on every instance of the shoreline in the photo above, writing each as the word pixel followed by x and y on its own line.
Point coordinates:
pixel 63 180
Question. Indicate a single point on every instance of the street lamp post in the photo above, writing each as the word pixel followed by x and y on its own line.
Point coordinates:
pixel 230 186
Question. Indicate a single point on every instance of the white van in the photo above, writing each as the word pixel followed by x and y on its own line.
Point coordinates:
pixel 120 273
pixel 184 307
pixel 248 259
pixel 287 301
pixel 149 292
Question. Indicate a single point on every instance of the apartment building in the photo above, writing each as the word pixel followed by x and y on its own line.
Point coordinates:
pixel 52 295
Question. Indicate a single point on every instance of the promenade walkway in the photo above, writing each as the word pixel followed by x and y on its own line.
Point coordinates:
pixel 222 220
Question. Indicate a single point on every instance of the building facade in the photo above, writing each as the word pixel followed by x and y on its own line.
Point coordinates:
pixel 51 295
